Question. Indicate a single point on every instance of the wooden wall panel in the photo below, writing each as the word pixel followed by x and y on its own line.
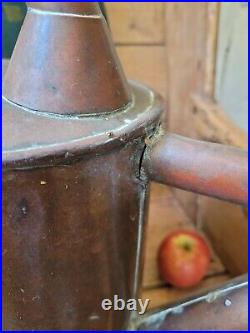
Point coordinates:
pixel 186 27
pixel 225 224
pixel 138 30
pixel 211 123
pixel 145 64
pixel 185 53
pixel 227 227
pixel 172 48
pixel 166 215
pixel 137 22
pixel 232 62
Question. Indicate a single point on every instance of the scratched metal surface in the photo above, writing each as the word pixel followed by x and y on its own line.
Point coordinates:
pixel 38 135
pixel 72 236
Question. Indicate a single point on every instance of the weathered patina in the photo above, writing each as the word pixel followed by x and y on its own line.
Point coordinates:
pixel 80 144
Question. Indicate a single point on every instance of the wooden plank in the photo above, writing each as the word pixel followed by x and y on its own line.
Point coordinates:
pixel 186 25
pixel 197 40
pixel 165 295
pixel 212 124
pixel 145 64
pixel 165 214
pixel 232 62
pixel 227 227
pixel 136 22
pixel 225 223
pixel 186 40
pixel 188 202
pixel 213 9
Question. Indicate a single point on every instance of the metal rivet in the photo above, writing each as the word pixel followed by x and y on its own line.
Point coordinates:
pixel 228 302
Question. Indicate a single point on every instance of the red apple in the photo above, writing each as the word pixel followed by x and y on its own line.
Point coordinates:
pixel 183 258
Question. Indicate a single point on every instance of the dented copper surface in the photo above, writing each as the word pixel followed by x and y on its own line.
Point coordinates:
pixel 70 240
pixel 76 142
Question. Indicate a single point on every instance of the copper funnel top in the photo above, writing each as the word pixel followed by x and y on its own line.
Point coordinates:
pixel 64 62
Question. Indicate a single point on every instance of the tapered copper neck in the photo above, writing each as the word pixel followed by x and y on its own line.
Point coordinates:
pixel 64 62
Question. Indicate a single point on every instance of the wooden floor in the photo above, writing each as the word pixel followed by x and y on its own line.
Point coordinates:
pixel 166 214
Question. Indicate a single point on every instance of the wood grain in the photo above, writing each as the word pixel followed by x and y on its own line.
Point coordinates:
pixel 226 226
pixel 144 64
pixel 185 53
pixel 212 124
pixel 136 22
pixel 186 29
pixel 224 223
pixel 213 9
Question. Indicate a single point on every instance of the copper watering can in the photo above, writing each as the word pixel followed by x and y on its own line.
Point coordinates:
pixel 80 146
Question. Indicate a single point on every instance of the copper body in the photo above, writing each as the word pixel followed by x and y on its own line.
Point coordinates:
pixel 74 213
pixel 80 144
pixel 70 240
